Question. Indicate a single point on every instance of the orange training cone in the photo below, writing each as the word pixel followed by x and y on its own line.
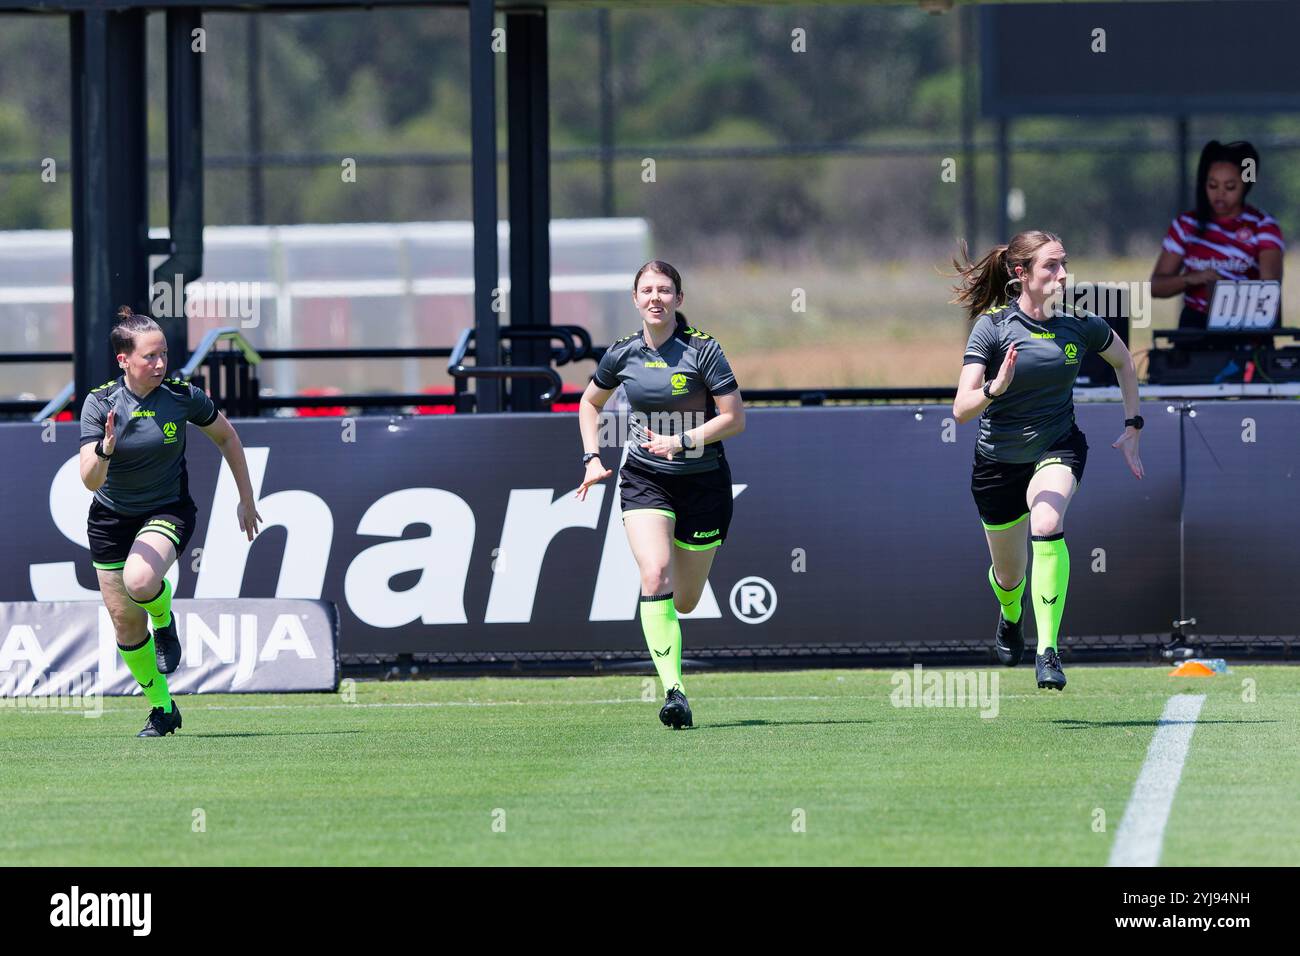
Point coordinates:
pixel 1191 669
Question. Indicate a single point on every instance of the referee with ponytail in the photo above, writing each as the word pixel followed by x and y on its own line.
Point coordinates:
pixel 133 458
pixel 1018 374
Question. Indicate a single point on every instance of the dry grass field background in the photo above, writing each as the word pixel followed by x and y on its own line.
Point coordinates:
pixel 884 325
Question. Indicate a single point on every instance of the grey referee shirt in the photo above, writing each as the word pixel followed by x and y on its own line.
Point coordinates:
pixel 147 469
pixel 1038 406
pixel 670 390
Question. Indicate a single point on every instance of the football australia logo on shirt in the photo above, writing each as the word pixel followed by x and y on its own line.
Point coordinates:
pixel 169 433
pixel 679 384
pixel 1071 354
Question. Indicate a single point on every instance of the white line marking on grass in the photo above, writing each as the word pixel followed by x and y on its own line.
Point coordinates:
pixel 339 705
pixel 1142 831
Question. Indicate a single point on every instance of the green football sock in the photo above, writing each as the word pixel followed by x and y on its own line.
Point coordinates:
pixel 663 635
pixel 143 664
pixel 159 606
pixel 1010 600
pixel 1051 578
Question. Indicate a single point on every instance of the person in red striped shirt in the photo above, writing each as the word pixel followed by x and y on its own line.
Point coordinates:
pixel 1222 238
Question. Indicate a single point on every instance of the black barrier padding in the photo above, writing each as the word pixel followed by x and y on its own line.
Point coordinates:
pixel 1129 523
pixel 1243 518
pixel 917 560
pixel 874 502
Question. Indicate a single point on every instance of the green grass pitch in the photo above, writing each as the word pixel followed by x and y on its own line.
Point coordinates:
pixel 815 767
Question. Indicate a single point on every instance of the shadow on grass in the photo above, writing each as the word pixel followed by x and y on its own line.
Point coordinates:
pixel 778 723
pixel 273 733
pixel 1070 723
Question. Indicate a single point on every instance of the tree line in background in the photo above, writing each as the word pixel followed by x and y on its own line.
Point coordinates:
pixel 359 84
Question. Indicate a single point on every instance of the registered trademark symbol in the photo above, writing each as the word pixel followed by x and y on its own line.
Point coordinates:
pixel 753 600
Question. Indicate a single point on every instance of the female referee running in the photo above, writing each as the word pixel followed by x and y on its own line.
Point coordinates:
pixel 676 484
pixel 1030 454
pixel 142 516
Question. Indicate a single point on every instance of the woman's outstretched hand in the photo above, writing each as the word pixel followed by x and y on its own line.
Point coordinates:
pixel 596 472
pixel 1128 444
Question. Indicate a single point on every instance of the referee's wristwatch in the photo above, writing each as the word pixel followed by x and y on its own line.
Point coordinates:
pixel 586 459
pixel 987 394
pixel 1136 421
pixel 99 450
pixel 688 443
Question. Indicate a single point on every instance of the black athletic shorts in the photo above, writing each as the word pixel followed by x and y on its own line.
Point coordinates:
pixel 111 534
pixel 999 487
pixel 700 503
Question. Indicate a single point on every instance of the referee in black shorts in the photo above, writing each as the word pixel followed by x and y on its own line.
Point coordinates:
pixel 1030 455
pixel 675 487
pixel 133 458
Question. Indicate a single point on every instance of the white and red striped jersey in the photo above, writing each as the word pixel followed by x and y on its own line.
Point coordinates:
pixel 1231 246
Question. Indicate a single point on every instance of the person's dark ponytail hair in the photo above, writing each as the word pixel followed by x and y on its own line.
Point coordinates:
pixel 130 324
pixel 986 283
pixel 1215 152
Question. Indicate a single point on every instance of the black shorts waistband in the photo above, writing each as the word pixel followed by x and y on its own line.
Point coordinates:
pixel 637 466
pixel 180 504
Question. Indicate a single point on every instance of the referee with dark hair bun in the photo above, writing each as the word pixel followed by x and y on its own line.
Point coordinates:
pixel 133 459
